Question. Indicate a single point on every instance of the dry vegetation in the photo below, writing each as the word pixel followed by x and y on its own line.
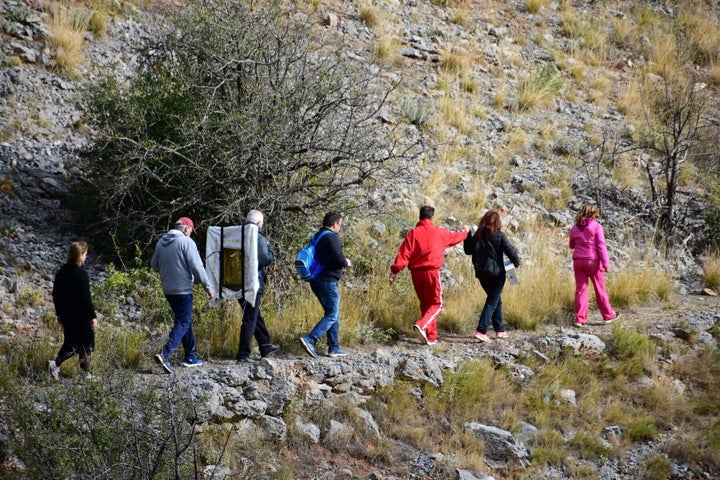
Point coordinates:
pixel 378 312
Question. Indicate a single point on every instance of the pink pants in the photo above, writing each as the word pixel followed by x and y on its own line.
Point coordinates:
pixel 590 270
pixel 429 291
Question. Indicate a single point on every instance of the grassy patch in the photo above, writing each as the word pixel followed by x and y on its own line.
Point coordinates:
pixel 711 270
pixel 67 38
pixel 538 89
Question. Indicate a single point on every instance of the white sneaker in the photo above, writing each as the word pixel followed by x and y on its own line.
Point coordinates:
pixel 421 333
pixel 53 370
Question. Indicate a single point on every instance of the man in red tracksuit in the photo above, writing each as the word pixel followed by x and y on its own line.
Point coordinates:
pixel 423 252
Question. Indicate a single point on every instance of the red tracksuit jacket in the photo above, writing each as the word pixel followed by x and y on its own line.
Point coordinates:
pixel 424 246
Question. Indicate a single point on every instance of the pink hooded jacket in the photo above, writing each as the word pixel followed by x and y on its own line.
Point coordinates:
pixel 587 239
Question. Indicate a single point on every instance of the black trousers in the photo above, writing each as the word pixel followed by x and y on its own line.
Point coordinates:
pixel 253 326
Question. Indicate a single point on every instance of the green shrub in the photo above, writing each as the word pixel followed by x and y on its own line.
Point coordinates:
pixel 110 427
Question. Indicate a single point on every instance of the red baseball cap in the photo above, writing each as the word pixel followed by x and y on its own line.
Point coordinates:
pixel 187 222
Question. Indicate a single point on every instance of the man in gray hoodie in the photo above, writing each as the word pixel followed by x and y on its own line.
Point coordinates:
pixel 177 260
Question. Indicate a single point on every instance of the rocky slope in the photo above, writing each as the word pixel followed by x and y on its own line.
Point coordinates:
pixel 41 130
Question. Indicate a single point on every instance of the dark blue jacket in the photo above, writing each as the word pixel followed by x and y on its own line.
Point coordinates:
pixel 266 257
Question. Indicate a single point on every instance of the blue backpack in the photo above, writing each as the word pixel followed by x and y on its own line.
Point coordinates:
pixel 306 264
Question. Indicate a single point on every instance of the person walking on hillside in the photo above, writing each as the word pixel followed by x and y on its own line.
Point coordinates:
pixel 74 309
pixel 590 261
pixel 487 247
pixel 177 260
pixel 253 323
pixel 329 254
pixel 423 252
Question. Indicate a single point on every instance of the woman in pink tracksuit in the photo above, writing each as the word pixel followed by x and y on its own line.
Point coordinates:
pixel 590 261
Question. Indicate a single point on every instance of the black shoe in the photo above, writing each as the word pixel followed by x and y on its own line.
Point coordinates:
pixel 246 360
pixel 268 349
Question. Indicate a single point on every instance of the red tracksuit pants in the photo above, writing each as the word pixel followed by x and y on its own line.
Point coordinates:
pixel 429 291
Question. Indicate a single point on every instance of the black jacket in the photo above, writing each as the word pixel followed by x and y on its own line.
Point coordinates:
pixel 71 296
pixel 500 243
pixel 328 252
pixel 266 257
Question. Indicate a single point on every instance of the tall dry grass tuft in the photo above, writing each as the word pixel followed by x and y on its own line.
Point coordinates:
pixel 711 270
pixel 638 282
pixel 67 36
pixel 702 33
pixel 456 60
pixel 124 347
pixel 370 15
pixel 218 329
pixel 538 89
pixel 534 6
pixel 546 290
pixel 386 49
pixel 97 23
pixel 663 53
pixel 455 114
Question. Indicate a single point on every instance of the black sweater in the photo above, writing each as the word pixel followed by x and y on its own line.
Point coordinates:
pixel 330 255
pixel 71 296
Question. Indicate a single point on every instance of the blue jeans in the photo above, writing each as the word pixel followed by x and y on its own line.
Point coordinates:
pixel 329 295
pixel 182 330
pixel 492 311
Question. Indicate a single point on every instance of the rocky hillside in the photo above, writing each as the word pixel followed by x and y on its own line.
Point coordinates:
pixel 42 129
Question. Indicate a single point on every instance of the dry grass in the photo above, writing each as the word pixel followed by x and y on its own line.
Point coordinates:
pixel 711 270
pixel 538 89
pixel 97 23
pixel 534 6
pixel 663 53
pixel 638 282
pixel 456 60
pixel 386 49
pixel 546 289
pixel 455 114
pixel 627 174
pixel 371 15
pixel 600 89
pixel 559 190
pixel 519 142
pixel 703 33
pixel 630 102
pixel 500 98
pixel 67 34
pixel 624 34
pixel 462 17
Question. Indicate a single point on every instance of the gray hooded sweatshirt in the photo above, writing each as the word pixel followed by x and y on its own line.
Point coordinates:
pixel 177 260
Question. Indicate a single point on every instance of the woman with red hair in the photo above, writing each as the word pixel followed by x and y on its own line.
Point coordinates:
pixel 487 247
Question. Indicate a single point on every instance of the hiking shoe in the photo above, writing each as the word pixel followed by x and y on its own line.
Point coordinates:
pixel 578 323
pixel 164 363
pixel 53 370
pixel 421 332
pixel 501 334
pixel 610 320
pixel 337 352
pixel 246 360
pixel 194 362
pixel 308 346
pixel 433 342
pixel 483 337
pixel 268 349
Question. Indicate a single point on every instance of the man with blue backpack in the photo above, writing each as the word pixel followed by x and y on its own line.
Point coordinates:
pixel 324 284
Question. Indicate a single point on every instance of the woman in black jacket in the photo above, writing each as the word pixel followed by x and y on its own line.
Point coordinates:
pixel 487 247
pixel 74 310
